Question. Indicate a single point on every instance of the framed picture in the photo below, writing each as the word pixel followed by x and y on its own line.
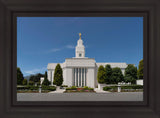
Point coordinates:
pixel 80 77
pixel 79 85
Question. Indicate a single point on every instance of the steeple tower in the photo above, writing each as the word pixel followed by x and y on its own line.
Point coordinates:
pixel 80 49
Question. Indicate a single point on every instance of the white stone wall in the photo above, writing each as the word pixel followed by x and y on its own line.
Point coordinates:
pixel 100 86
pixel 41 80
pixel 64 77
pixel 123 70
pixel 91 77
pixel 89 63
pixel 68 79
pixel 49 75
pixel 139 82
pixel 52 79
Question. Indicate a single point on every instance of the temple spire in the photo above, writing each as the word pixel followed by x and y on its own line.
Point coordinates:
pixel 80 35
pixel 80 49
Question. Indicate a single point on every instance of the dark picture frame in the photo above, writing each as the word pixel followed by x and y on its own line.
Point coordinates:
pixel 148 108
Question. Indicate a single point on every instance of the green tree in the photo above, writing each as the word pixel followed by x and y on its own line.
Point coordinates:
pixel 140 70
pixel 108 71
pixel 131 70
pixel 25 82
pixel 19 76
pixel 128 78
pixel 101 74
pixel 46 82
pixel 130 74
pixel 58 75
pixel 116 76
pixel 36 78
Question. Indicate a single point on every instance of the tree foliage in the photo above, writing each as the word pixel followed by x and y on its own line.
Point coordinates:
pixel 108 71
pixel 25 82
pixel 116 76
pixel 128 78
pixel 19 76
pixel 58 75
pixel 101 76
pixel 46 82
pixel 36 78
pixel 140 70
pixel 130 74
pixel 31 83
pixel 131 70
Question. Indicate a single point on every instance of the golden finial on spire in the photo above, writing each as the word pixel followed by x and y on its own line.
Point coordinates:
pixel 80 35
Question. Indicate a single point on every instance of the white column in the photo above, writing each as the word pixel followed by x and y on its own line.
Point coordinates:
pixel 74 76
pixel 49 76
pixel 119 88
pixel 78 76
pixel 85 76
pixel 51 79
pixel 81 76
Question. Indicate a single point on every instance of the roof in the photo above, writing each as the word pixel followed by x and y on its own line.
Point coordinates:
pixel 113 65
pixel 53 65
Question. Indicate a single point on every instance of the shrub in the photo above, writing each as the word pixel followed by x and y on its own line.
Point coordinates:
pixel 31 83
pixel 73 87
pixel 68 88
pixel 86 87
pixel 64 86
pixel 50 88
pixel 132 87
pixel 90 89
pixel 107 88
pixel 23 88
pixel 25 82
pixel 28 88
pixel 33 88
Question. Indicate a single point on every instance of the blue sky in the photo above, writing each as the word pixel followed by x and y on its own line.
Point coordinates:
pixel 43 40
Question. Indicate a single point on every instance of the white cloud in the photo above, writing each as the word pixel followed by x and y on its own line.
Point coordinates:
pixel 55 49
pixel 70 46
pixel 34 71
pixel 59 49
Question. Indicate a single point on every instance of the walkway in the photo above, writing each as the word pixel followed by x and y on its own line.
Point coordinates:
pixel 123 96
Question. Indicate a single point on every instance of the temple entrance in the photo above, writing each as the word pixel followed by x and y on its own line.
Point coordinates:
pixel 79 77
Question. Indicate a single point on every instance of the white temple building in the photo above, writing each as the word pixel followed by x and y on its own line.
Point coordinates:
pixel 80 70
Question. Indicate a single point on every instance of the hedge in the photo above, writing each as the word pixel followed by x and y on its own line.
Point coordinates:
pixel 75 88
pixel 71 88
pixel 132 87
pixel 51 88
pixel 28 88
pixel 107 88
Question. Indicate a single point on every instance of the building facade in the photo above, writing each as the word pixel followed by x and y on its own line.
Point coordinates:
pixel 80 70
